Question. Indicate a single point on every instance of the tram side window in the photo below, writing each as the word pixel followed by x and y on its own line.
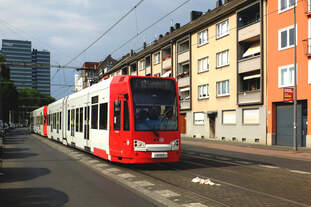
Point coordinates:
pixel 94 117
pixel 77 119
pixel 54 120
pixel 117 115
pixel 103 116
pixel 68 120
pixel 72 119
pixel 126 117
pixel 60 120
pixel 57 120
pixel 81 120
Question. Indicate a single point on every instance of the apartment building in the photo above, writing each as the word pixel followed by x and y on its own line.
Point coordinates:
pixel 281 52
pixel 218 62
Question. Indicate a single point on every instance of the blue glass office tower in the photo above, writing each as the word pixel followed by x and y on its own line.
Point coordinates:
pixel 36 77
pixel 41 74
pixel 19 51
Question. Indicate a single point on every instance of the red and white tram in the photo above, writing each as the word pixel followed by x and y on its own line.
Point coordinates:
pixel 128 119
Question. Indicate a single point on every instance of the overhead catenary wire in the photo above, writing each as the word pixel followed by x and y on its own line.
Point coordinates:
pixel 150 26
pixel 106 32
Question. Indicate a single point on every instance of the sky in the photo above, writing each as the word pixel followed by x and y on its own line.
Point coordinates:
pixel 67 27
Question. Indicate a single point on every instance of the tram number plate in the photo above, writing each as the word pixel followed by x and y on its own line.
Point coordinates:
pixel 159 155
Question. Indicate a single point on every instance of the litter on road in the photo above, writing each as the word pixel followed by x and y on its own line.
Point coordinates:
pixel 204 181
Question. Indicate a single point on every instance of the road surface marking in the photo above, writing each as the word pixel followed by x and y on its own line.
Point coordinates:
pixel 269 166
pixel 300 172
pixel 194 205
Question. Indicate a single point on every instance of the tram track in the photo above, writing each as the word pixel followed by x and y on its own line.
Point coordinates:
pixel 264 198
pixel 179 176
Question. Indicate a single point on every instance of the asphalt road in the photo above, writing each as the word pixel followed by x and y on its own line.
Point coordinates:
pixel 35 174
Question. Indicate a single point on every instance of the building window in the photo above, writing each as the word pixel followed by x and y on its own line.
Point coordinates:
pixel 286 37
pixel 223 88
pixel 222 29
pixel 157 58
pixel 203 64
pixel 222 58
pixel 198 118
pixel 203 91
pixel 229 117
pixel 203 37
pixel 286 76
pixel 142 64
pixel 250 116
pixel 285 5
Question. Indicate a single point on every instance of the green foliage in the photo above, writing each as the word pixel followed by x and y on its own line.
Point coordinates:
pixel 31 98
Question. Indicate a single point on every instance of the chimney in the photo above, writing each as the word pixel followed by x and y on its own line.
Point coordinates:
pixel 132 53
pixel 226 1
pixel 177 26
pixel 160 36
pixel 172 29
pixel 167 33
pixel 144 45
pixel 195 14
pixel 218 3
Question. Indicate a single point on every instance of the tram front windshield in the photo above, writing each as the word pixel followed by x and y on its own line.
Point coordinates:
pixel 155 104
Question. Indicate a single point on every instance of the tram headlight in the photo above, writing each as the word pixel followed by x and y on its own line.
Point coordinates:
pixel 175 144
pixel 139 144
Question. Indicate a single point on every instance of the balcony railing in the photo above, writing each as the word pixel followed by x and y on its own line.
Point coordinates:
pixel 184 104
pixel 249 64
pixel 307 46
pixel 183 82
pixel 249 97
pixel 250 31
pixel 183 57
pixel 167 63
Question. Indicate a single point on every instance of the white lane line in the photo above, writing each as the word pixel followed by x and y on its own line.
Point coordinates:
pixel 126 175
pixel 143 183
pixel 167 193
pixel 223 158
pixel 243 162
pixel 269 166
pixel 300 172
pixel 194 205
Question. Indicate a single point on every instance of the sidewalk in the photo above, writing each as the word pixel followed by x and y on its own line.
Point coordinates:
pixel 274 151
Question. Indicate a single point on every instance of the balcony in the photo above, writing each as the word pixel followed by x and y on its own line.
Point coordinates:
pixel 134 73
pixel 183 82
pixel 167 63
pixel 249 97
pixel 184 104
pixel 248 32
pixel 183 57
pixel 249 64
pixel 148 70
pixel 307 46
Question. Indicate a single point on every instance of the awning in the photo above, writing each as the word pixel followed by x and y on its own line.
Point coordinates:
pixel 184 89
pixel 251 77
pixel 167 74
pixel 252 50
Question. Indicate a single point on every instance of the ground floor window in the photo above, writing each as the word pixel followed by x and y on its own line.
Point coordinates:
pixel 198 118
pixel 250 116
pixel 229 117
